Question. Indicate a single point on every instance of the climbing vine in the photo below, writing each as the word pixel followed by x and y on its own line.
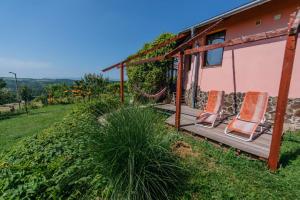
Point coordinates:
pixel 150 77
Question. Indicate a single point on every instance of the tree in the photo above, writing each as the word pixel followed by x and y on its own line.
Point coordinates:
pixel 56 92
pixel 95 84
pixel 49 93
pixel 6 96
pixel 2 84
pixel 26 96
pixel 91 85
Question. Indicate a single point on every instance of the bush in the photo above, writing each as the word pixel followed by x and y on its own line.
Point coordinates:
pixel 7 96
pixel 42 98
pixel 57 163
pixel 135 156
pixel 35 104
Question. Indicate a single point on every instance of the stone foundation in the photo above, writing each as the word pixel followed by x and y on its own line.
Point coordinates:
pixel 232 105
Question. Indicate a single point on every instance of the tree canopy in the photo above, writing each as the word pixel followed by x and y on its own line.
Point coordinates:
pixel 26 96
pixel 6 96
pixel 2 84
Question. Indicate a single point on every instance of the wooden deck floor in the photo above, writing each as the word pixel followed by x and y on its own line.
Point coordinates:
pixel 170 108
pixel 260 147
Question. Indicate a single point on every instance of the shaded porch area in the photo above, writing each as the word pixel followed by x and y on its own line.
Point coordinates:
pixel 259 147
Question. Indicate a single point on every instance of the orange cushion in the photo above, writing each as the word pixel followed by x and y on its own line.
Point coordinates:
pixel 254 106
pixel 214 101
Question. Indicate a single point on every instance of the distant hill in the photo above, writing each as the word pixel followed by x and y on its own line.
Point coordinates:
pixel 37 85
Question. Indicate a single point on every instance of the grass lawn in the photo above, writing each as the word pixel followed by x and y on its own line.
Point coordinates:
pixel 218 173
pixel 62 161
pixel 16 128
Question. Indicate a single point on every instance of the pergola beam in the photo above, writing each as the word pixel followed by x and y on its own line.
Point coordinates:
pixel 148 60
pixel 112 67
pixel 179 48
pixel 192 40
pixel 168 55
pixel 228 43
pixel 286 75
pixel 158 46
pixel 240 40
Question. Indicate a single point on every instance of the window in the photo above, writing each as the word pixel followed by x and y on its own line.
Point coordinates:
pixel 215 56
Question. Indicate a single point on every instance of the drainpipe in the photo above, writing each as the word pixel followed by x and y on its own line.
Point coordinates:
pixel 195 74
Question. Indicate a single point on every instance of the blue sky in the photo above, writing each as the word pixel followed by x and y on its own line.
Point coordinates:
pixel 67 38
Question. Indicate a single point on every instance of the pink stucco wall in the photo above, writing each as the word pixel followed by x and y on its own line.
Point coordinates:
pixel 256 66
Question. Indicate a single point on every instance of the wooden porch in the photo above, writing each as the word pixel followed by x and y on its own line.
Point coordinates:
pixel 260 147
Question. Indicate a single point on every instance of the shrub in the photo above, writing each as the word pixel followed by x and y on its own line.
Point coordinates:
pixel 35 104
pixel 57 163
pixel 135 156
pixel 42 98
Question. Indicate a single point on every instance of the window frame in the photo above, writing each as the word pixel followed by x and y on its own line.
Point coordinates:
pixel 205 65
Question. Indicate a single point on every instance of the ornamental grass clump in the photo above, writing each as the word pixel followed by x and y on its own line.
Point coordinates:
pixel 136 158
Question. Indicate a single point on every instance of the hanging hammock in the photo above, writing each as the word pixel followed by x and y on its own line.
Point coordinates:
pixel 155 96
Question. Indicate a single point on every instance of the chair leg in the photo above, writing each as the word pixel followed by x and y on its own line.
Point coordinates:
pixel 227 132
pixel 211 126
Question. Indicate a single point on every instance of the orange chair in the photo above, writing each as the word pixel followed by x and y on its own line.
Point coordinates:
pixel 251 115
pixel 213 109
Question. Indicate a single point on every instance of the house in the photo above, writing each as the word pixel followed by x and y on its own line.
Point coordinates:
pixel 250 48
pixel 247 67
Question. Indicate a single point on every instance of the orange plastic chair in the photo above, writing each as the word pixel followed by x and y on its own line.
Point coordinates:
pixel 213 109
pixel 251 115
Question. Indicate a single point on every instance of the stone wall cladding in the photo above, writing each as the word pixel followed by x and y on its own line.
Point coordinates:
pixel 188 97
pixel 232 104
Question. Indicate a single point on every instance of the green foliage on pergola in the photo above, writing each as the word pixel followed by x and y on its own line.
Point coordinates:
pixel 150 77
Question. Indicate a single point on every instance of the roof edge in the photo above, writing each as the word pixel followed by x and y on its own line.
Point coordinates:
pixel 227 14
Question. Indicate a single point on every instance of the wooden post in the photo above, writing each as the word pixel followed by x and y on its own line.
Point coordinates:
pixel 286 75
pixel 179 90
pixel 122 82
